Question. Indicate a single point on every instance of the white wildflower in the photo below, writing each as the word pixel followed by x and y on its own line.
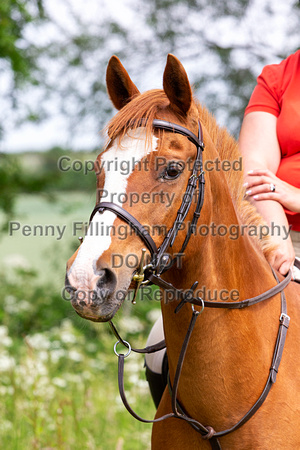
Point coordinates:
pixel 131 323
pixel 12 305
pixel 60 382
pixel 73 378
pixel 44 390
pixel 68 337
pixel 91 347
pixel 5 340
pixel 134 378
pixel 56 344
pixel 16 261
pixel 97 364
pixel 86 375
pixel 3 331
pixel 43 355
pixel 74 355
pixel 39 341
pixel 57 354
pixel 6 362
pixel 6 425
pixel 7 390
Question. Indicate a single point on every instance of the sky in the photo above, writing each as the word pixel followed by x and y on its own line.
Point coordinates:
pixel 52 131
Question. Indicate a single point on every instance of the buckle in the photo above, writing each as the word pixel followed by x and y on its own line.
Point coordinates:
pixel 284 320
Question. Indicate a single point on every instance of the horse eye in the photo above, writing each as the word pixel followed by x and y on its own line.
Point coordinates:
pixel 173 170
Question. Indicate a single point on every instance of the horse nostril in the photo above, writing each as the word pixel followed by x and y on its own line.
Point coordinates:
pixel 69 288
pixel 107 280
pixel 102 274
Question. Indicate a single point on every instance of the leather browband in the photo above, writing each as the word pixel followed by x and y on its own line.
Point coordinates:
pixel 174 128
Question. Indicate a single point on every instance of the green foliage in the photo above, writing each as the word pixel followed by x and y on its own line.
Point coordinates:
pixel 19 65
pixel 14 16
pixel 222 67
pixel 222 45
pixel 9 181
pixel 28 307
pixel 30 173
pixel 58 383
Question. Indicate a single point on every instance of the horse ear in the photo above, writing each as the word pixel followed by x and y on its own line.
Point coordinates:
pixel 176 85
pixel 119 85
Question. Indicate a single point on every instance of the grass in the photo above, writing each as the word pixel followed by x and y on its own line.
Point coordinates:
pixel 59 391
pixel 31 246
pixel 58 373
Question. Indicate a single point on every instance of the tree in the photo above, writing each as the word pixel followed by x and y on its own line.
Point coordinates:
pixel 223 45
pixel 18 64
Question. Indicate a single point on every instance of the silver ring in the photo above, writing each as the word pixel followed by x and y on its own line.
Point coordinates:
pixel 202 305
pixel 126 345
pixel 272 187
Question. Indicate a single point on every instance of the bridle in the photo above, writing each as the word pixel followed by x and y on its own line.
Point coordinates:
pixel 161 262
pixel 159 257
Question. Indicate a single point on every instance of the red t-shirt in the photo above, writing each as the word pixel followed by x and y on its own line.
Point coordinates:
pixel 278 92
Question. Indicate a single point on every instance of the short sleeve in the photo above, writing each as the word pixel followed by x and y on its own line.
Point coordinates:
pixel 265 96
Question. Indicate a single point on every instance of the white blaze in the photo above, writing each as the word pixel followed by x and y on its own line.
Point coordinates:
pixel 127 153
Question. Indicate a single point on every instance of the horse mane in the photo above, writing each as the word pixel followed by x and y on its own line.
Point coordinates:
pixel 155 104
pixel 227 148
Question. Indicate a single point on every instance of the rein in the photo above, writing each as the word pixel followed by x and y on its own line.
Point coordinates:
pixel 160 263
pixel 207 432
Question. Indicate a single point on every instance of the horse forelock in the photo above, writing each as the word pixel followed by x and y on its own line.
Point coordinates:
pixel 150 105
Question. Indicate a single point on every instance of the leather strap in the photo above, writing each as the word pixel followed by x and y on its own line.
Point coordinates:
pixel 197 177
pixel 128 218
pixel 187 297
pixel 150 349
pixel 208 432
pixel 297 263
pixel 175 413
pixel 175 128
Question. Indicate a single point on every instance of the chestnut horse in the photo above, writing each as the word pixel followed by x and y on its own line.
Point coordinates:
pixel 153 160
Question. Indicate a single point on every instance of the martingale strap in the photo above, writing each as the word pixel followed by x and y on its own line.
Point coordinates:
pixel 187 296
pixel 178 411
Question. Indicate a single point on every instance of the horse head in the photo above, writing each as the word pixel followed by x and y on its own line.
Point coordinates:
pixel 144 170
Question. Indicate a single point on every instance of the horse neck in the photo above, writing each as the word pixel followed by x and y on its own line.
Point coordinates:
pixel 219 263
pixel 222 254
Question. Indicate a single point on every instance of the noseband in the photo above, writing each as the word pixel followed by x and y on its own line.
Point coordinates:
pixel 159 257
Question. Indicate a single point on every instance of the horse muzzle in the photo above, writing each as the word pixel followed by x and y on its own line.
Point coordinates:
pixel 97 300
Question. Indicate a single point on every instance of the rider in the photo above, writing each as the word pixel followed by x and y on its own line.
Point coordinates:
pixel 270 145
